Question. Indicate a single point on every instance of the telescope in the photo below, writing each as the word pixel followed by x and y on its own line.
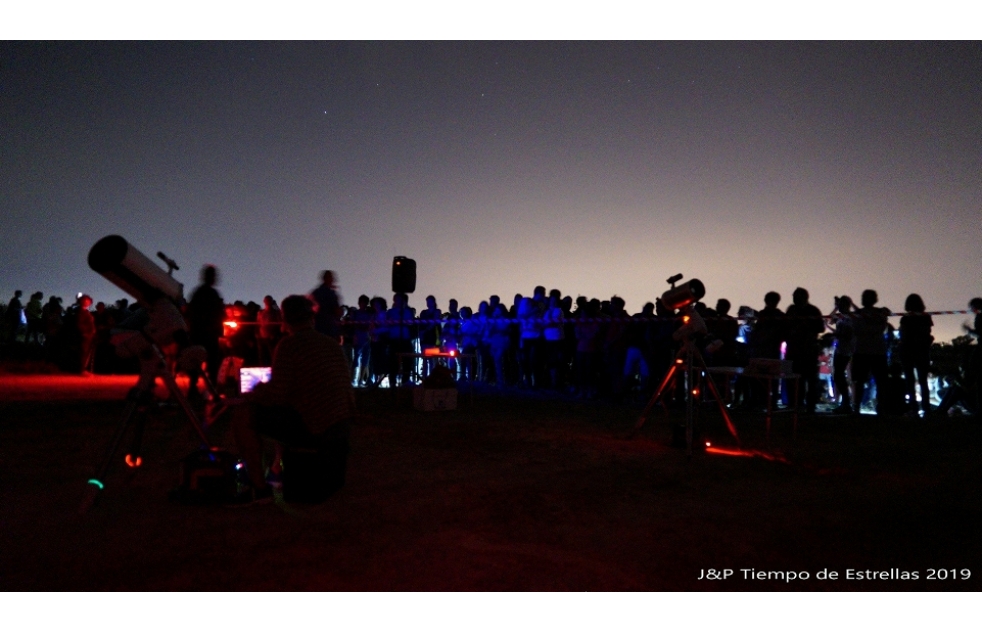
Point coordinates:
pixel 133 272
pixel 683 295
pixel 689 365
pixel 162 325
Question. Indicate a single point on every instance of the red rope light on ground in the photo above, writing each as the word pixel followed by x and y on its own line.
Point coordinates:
pixel 746 453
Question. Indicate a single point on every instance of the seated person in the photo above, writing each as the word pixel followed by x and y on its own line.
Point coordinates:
pixel 307 403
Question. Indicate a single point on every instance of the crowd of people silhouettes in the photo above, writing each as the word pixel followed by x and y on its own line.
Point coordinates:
pixel 587 347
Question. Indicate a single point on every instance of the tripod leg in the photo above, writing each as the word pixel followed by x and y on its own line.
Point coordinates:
pixel 722 408
pixel 210 387
pixel 690 393
pixel 214 412
pixel 216 407
pixel 794 428
pixel 719 400
pixel 770 403
pixel 165 373
pixel 97 483
pixel 183 401
pixel 133 459
pixel 662 389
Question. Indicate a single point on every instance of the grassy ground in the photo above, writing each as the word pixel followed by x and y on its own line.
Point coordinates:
pixel 507 493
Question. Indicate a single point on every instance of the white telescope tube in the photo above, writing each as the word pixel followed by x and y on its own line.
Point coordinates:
pixel 133 272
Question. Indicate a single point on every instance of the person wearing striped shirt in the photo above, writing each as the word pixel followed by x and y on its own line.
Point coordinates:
pixel 308 401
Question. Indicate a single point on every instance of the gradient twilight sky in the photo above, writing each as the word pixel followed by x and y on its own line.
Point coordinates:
pixel 596 168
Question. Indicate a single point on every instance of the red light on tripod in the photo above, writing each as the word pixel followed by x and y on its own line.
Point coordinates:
pixel 133 462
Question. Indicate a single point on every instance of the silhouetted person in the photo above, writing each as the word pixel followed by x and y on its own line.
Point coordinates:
pixel 86 328
pixel 307 404
pixel 804 325
pixel 845 347
pixel 378 360
pixel 52 316
pixel 660 341
pixel 726 329
pixel 498 339
pixel 769 331
pixel 975 305
pixel 429 332
pixel 953 393
pixel 973 374
pixel 915 351
pixel 530 341
pixel 245 339
pixel 270 319
pixel 723 328
pixel 589 350
pixel 471 332
pixel 871 347
pixel 402 324
pixel 638 357
pixel 206 315
pixel 615 347
pixel 12 317
pixel 450 334
pixel 328 306
pixel 553 341
pixel 34 311
pixel 104 352
pixel 361 341
pixel 539 369
pixel 516 355
pixel 450 331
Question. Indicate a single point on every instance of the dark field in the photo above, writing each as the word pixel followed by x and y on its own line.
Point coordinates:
pixel 507 493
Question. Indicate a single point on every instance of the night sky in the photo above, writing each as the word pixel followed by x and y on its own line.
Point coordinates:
pixel 595 168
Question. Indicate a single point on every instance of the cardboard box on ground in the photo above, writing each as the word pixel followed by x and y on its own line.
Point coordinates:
pixel 431 399
pixel 438 392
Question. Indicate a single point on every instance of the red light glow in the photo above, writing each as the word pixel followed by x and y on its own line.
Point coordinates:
pixel 745 453
pixel 62 387
pixel 231 324
pixel 130 461
pixel 729 451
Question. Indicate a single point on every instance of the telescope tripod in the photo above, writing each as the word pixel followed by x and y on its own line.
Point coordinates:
pixel 688 362
pixel 137 402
